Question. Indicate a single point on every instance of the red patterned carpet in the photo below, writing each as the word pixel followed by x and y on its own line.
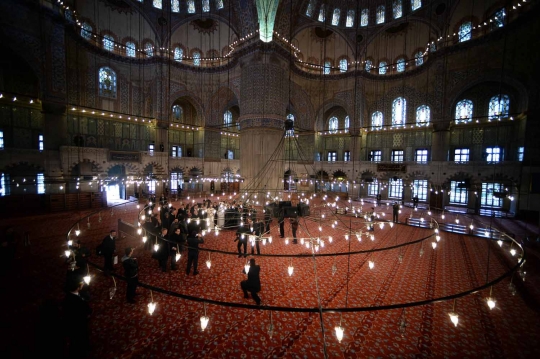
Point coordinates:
pixel 122 330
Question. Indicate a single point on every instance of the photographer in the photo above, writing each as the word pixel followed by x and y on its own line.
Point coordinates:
pixel 193 241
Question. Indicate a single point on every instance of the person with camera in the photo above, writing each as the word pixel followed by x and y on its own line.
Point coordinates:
pixel 193 241
pixel 131 272
pixel 253 282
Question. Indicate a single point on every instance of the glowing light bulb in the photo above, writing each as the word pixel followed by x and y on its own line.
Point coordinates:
pixel 177 257
pixel 346 237
pixel 490 302
pixel 70 243
pixel 359 237
pixel 434 245
pixel 246 268
pixel 454 318
pixel 438 238
pixel 330 239
pixel 286 240
pixel 139 231
pixel 87 279
pixel 471 227
pixel 290 270
pixel 149 212
pixel 77 232
pixel 391 224
pixel 144 239
pixel 156 247
pixel 143 217
pixel 371 264
pixel 500 243
pixel 67 253
pixel 204 322
pixel 339 333
pixel 320 229
pixel 307 244
pixel 513 252
pixel 270 239
pixel 302 241
pixel 151 307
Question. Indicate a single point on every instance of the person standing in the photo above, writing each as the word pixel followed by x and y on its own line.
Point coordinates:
pixel 294 228
pixel 77 313
pixel 281 221
pixel 164 249
pixel 131 272
pixel 193 241
pixel 395 212
pixel 253 282
pixel 107 248
pixel 267 220
pixel 242 237
pixel 258 230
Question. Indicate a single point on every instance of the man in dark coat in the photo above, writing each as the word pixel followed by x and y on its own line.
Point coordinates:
pixel 294 228
pixel 131 272
pixel 267 220
pixel 395 211
pixel 258 230
pixel 77 313
pixel 242 237
pixel 193 241
pixel 164 250
pixel 281 221
pixel 253 282
pixel 107 248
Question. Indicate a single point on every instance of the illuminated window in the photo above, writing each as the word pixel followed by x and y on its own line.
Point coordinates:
pixel 107 82
pixel 373 189
pixel 494 154
pixel 41 147
pixel 227 119
pixel 178 54
pixel 399 112
pixel 395 188
pixel 423 114
pixel 178 113
pixel 108 42
pixel 174 151
pixel 206 5
pixel 464 111
pixel 521 153
pixel 343 65
pixel 458 192
pixel 40 180
pixel 326 68
pixel 492 195
pixel 397 8
pixel 196 59
pixel 364 17
pixel 290 133
pixel 419 58
pixel 175 5
pixel 157 4
pixel 347 123
pixel 420 189
pixel 130 49
pixel 219 4
pixel 347 156
pixel 499 107
pixel 368 65
pixel 151 149
pixel 86 31
pixel 309 10
pixel 350 18
pixel 332 156
pixel 149 49
pixel 176 180
pixel 421 156
pixel 461 155
pixel 4 191
pixel 1 140
pixel 382 68
pixel 397 156
pixel 400 65
pixel 416 4
pixel 191 6
pixel 498 19
pixel 380 15
pixel 465 31
pixel 376 120
pixel 321 14
pixel 333 125
pixel 335 16
pixel 375 156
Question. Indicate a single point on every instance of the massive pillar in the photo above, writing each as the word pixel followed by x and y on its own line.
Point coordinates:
pixel 263 96
pixel 440 144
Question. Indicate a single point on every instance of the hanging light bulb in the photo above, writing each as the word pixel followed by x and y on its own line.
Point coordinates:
pixel 270 239
pixel 500 243
pixel 67 253
pixel 177 257
pixel 490 302
pixel 204 322
pixel 434 245
pixel 77 232
pixel 372 237
pixel 139 231
pixel 438 238
pixel 513 252
pixel 246 268
pixel 346 237
pixel 290 270
pixel 359 237
pixel 320 229
pixel 307 245
pixel 286 240
pixel 156 247
pixel 381 225
pixel 70 243
pixel 486 233
pixel 151 307
pixel 339 333
pixel 371 264
pixel 391 224
pixel 150 211
pixel 302 241
pixel 87 278
pixel 454 318
pixel 330 239
pixel 142 218
pixel 144 239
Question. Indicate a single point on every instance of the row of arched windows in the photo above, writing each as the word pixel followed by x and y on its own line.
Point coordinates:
pixel 496 21
pixel 399 115
pixel 190 5
pixel 383 66
pixel 498 107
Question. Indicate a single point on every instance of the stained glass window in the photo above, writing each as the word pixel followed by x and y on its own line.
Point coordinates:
pixel 309 10
pixel 219 4
pixel 499 106
pixel 380 15
pixel 108 42
pixel 149 49
pixel 364 17
pixel 40 183
pixel 375 156
pixel 416 4
pixel 107 82
pixel 465 31
pixel 397 8
pixel 382 68
pixel 464 111
pixel 397 156
pixel 419 58
pixel 335 16
pixel 290 133
pixel 420 189
pixel 343 65
pixel 432 46
pixel 196 59
pixel 400 65
pixel 130 49
pixel 69 15
pixel 399 111
pixel 499 19
pixel 175 5
pixel 327 67
pixel 333 125
pixel 376 120
pixel 227 118
pixel 350 18
pixel 395 188
pixel 423 115
pixel 421 155
pixel 86 31
pixel 368 65
pixel 206 5
pixel 157 4
pixel 494 154
pixel 347 123
pixel 178 112
pixel 191 6
pixel 321 14
pixel 461 155
pixel 487 197
pixel 178 54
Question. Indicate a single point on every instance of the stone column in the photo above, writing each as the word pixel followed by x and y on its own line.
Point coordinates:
pixel 55 131
pixel 440 143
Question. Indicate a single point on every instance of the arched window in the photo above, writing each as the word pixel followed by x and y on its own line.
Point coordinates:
pixel 86 31
pixel 400 65
pixel 335 16
pixel 178 113
pixel 219 4
pixel 465 31
pixel 399 111
pixel 432 46
pixel 149 49
pixel 206 5
pixel 416 4
pixel 130 49
pixel 368 65
pixel 376 120
pixel 364 17
pixel 347 123
pixel 419 58
pixel 499 19
pixel 499 106
pixel 382 68
pixel 108 42
pixel 107 82
pixel 397 8
pixel 196 59
pixel 343 65
pixel 290 133
pixel 157 4
pixel 68 14
pixel 175 5
pixel 327 66
pixel 380 15
pixel 350 19
pixel 333 124
pixel 227 119
pixel 423 115
pixel 464 111
pixel 322 17
pixel 178 54
pixel 309 10
pixel 191 6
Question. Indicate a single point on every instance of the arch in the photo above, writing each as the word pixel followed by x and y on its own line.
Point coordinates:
pixel 417 175
pixel 339 175
pixel 322 175
pixel 184 95
pixel 95 166
pixel 327 109
pixel 157 168
pixel 24 165
pixel 131 168
pixel 367 175
pixel 222 100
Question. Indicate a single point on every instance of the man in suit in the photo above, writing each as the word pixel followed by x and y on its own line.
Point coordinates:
pixel 253 282
pixel 242 237
pixel 193 241
pixel 131 272
pixel 281 221
pixel 258 230
pixel 77 313
pixel 395 212
pixel 108 247
pixel 294 228
pixel 267 220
